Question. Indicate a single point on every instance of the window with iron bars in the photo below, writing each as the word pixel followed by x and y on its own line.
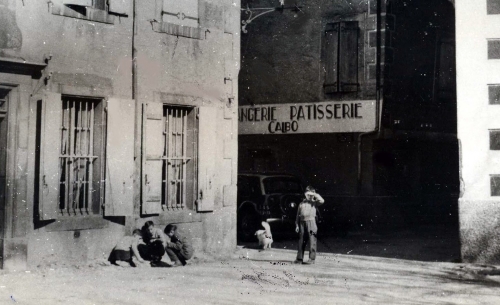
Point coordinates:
pixel 179 169
pixel 81 162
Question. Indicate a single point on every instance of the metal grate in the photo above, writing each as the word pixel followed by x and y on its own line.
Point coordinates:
pixel 175 156
pixel 77 156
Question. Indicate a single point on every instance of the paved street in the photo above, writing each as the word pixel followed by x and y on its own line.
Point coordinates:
pixel 254 277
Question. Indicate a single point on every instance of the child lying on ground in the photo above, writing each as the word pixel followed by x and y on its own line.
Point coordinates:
pixel 179 248
pixel 126 250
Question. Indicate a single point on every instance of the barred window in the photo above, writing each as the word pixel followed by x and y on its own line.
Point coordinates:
pixel 178 154
pixel 81 163
pixel 178 158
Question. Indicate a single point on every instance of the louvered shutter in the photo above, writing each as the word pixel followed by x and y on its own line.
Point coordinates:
pixel 50 150
pixel 331 59
pixel 120 157
pixel 348 56
pixel 152 153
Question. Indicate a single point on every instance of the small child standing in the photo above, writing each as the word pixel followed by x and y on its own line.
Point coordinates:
pixel 179 248
pixel 305 225
pixel 126 249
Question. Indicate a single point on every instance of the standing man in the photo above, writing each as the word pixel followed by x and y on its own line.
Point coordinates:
pixel 305 225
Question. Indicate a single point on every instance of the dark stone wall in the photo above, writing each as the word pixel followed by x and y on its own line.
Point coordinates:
pixel 281 53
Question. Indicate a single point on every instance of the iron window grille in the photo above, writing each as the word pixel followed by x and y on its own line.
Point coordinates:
pixel 179 149
pixel 81 162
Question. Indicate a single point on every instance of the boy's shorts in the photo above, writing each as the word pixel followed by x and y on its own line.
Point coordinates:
pixel 121 255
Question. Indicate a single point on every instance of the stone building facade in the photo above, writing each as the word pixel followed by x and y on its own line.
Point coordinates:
pixel 113 113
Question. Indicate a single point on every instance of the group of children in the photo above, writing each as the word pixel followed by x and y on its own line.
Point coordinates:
pixel 150 244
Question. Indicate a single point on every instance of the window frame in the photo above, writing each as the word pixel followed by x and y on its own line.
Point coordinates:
pixel 91 13
pixel 493 94
pixel 98 171
pixel 169 130
pixel 154 195
pixel 492 7
pixel 170 28
pixel 493 48
pixel 118 160
pixel 492 177
pixel 494 134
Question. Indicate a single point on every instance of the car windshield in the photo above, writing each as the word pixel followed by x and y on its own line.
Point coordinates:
pixel 273 185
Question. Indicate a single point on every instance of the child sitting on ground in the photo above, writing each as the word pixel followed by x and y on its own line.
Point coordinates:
pixel 126 250
pixel 154 243
pixel 179 248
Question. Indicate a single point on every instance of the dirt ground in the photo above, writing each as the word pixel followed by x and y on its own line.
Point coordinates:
pixel 258 277
pixel 430 243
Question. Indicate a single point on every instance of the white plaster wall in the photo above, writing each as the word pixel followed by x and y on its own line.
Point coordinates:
pixel 475 115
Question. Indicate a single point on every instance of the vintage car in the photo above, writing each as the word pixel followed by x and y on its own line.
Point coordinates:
pixel 266 197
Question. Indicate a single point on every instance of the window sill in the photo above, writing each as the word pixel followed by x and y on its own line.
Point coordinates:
pixel 77 223
pixel 92 14
pixel 183 216
pixel 177 30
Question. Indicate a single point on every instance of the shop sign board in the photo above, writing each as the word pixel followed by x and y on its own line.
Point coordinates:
pixel 321 117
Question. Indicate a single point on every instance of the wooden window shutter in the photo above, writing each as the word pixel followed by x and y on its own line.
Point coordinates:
pixel 87 3
pixel 179 12
pixel 331 58
pixel 348 56
pixel 50 149
pixel 120 7
pixel 152 154
pixel 207 137
pixel 120 163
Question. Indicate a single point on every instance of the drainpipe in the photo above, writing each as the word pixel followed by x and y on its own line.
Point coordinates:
pixel 378 99
pixel 134 54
